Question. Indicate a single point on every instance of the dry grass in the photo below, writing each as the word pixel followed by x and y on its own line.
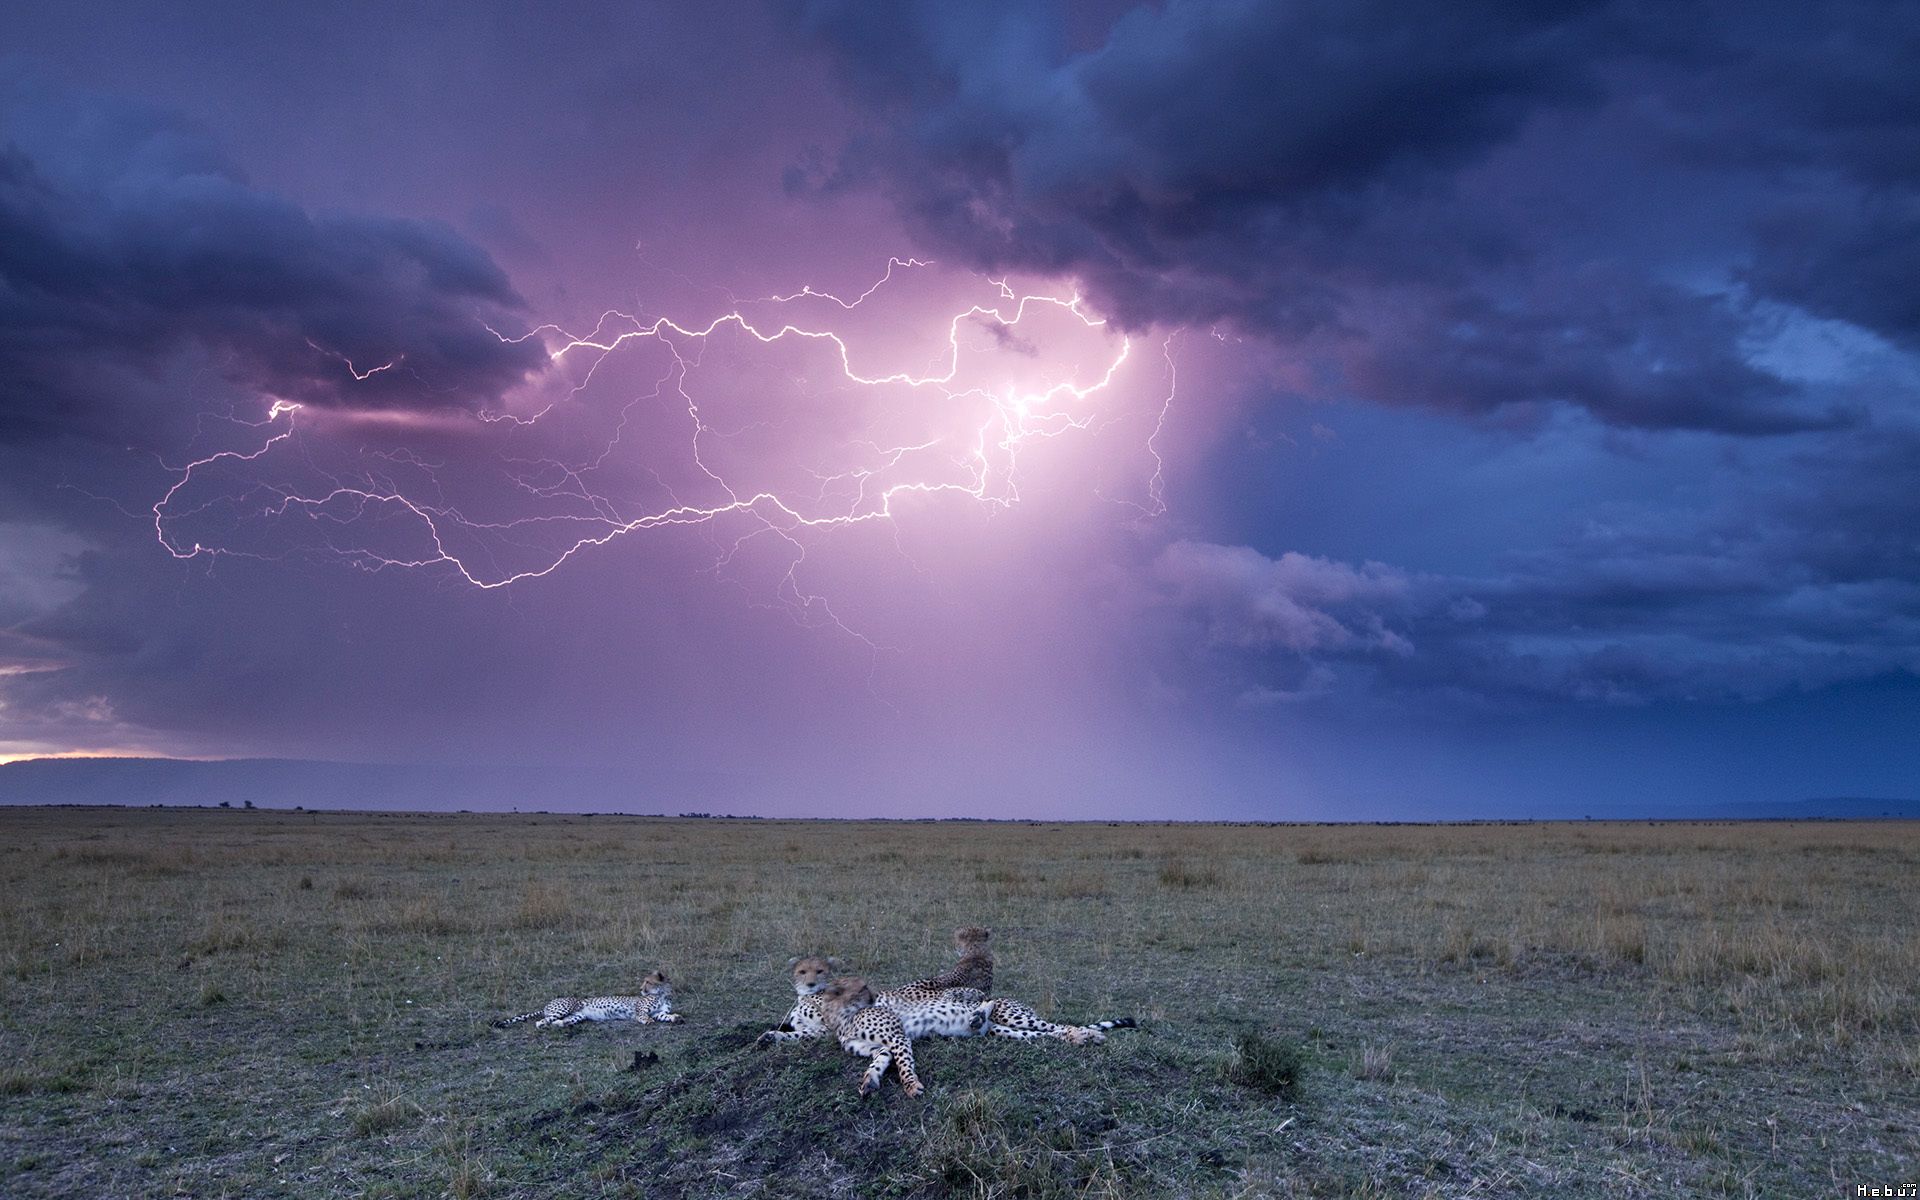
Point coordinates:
pixel 1374 1062
pixel 258 1002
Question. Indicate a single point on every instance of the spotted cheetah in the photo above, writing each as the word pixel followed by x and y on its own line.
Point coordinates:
pixel 923 1010
pixel 810 977
pixel 947 1012
pixel 957 1012
pixel 863 1027
pixel 1012 1019
pixel 930 1007
pixel 975 968
pixel 653 1004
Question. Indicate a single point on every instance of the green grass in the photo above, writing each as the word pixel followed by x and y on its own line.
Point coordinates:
pixel 257 1003
pixel 1270 1065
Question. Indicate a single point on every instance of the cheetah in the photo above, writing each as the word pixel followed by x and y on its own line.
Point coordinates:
pixel 918 1004
pixel 810 977
pixel 932 1007
pixel 1012 1019
pixel 958 1012
pixel 947 1012
pixel 975 968
pixel 923 1010
pixel 653 1004
pixel 863 1027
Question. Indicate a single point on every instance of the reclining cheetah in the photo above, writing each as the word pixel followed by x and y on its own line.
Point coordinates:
pixel 935 1006
pixel 923 1010
pixel 936 1014
pixel 653 1004
pixel 950 1012
pixel 863 1027
pixel 926 1007
pixel 810 977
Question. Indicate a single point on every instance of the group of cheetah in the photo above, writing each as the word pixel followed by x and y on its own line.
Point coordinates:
pixel 880 1025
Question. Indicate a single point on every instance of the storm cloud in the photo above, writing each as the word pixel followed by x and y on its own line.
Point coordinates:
pixel 1789 575
pixel 1386 185
pixel 1507 399
pixel 1300 603
pixel 134 257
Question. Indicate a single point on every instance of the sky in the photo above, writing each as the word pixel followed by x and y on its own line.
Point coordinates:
pixel 1300 409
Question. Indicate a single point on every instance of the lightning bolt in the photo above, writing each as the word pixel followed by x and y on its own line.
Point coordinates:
pixel 313 480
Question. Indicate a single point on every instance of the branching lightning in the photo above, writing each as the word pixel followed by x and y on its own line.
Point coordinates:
pixel 851 440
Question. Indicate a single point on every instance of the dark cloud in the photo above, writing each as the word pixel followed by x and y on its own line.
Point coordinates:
pixel 1825 85
pixel 1821 97
pixel 1628 350
pixel 1797 572
pixel 1208 150
pixel 1852 258
pixel 1576 386
pixel 133 255
pixel 1371 182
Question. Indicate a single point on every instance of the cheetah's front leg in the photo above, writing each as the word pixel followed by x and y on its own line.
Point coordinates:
pixel 876 1070
pixel 787 1033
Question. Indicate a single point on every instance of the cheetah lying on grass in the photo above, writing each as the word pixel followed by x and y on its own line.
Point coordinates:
pixel 653 1004
pixel 927 1006
pixel 812 975
pixel 847 1007
pixel 804 1020
pixel 940 1004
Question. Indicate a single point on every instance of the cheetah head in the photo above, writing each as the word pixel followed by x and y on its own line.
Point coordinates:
pixel 970 939
pixel 656 984
pixel 845 996
pixel 811 975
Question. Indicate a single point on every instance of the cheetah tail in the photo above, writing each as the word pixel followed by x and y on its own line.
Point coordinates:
pixel 1122 1023
pixel 503 1022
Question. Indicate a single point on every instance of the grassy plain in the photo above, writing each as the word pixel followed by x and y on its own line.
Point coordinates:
pixel 266 1003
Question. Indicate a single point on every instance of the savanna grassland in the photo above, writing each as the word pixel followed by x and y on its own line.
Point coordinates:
pixel 267 1003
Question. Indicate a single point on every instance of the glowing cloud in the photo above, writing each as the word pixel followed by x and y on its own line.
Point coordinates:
pixel 774 422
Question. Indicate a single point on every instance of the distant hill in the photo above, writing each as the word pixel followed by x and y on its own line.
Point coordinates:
pixel 290 783
pixel 1837 808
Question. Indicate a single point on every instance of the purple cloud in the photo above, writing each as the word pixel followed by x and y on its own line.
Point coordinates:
pixel 130 249
pixel 1295 602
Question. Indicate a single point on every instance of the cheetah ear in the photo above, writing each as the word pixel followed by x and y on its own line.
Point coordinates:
pixel 833 962
pixel 794 961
